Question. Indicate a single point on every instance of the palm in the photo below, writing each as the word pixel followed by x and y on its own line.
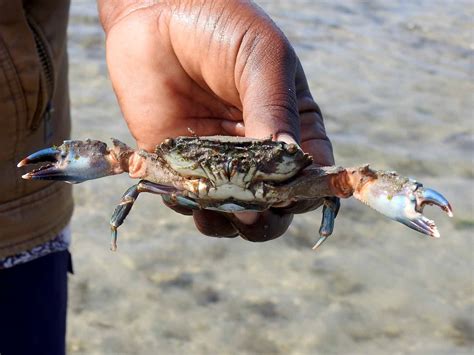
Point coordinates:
pixel 205 68
pixel 187 92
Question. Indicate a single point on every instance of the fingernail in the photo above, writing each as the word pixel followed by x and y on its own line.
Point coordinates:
pixel 285 137
pixel 237 128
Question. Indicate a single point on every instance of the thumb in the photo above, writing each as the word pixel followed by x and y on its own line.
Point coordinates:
pixel 267 88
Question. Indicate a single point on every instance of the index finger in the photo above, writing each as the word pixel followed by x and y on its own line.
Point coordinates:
pixel 314 139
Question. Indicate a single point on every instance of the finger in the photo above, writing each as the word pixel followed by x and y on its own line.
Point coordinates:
pixel 233 128
pixel 320 150
pixel 266 68
pixel 214 224
pixel 247 217
pixel 313 133
pixel 269 225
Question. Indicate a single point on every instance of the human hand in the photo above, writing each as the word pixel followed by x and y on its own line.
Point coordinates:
pixel 217 68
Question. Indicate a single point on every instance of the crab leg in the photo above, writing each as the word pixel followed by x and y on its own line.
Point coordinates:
pixel 78 161
pixel 402 200
pixel 395 196
pixel 129 197
pixel 330 209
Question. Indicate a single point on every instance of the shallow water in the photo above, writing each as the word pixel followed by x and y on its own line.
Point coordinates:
pixel 395 83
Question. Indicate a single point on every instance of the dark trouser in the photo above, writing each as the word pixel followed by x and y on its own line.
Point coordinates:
pixel 33 302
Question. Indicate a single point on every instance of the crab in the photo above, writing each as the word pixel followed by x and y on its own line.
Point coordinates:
pixel 235 174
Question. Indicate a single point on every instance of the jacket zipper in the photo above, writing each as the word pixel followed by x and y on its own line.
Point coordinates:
pixel 44 108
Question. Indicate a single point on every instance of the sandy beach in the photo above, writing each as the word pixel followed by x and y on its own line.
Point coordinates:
pixel 395 83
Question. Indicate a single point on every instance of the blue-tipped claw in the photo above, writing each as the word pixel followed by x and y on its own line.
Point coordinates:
pixel 44 155
pixel 415 219
pixel 403 200
pixel 432 197
pixel 73 162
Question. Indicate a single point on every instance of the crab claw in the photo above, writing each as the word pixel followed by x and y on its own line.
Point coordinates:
pixel 401 199
pixel 74 162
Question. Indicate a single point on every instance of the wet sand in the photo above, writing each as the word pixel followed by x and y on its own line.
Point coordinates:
pixel 395 83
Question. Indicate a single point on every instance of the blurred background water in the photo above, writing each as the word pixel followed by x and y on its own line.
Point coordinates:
pixel 395 82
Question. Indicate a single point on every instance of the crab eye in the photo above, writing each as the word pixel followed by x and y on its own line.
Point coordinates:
pixel 168 141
